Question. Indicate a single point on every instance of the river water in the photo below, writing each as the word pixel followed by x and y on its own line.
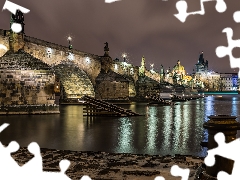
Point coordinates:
pixel 163 130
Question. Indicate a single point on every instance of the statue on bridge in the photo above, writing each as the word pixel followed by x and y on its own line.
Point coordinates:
pixel 18 18
pixel 106 49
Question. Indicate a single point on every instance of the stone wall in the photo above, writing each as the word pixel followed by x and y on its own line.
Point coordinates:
pixel 26 87
pixel 112 90
pixel 54 54
pixel 111 85
pixel 75 81
pixel 146 86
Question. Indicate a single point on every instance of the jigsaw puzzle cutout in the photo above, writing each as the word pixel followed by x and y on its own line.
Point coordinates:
pixel 236 16
pixel 177 171
pixel 111 1
pixel 182 9
pixel 222 51
pixel 228 150
pixel 12 7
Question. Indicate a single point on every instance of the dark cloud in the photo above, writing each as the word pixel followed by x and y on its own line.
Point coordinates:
pixel 138 27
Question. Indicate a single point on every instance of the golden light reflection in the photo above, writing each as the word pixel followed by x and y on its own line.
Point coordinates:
pixel 76 120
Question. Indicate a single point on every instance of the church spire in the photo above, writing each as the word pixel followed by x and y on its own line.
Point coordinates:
pixel 142 68
pixel 106 49
pixel 201 59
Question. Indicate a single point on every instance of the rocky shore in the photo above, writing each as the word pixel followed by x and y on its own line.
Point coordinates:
pixel 112 166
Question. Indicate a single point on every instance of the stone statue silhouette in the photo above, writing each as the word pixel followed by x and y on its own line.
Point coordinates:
pixel 106 46
pixel 18 18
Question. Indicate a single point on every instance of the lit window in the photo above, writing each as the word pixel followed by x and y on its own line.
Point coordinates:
pixel 116 66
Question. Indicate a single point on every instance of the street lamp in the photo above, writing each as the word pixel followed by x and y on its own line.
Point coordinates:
pixel 69 42
pixel 124 55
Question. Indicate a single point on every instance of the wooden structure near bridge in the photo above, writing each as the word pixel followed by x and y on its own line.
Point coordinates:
pixel 96 107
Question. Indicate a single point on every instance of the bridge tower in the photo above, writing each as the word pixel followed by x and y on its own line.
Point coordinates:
pixel 106 60
pixel 16 40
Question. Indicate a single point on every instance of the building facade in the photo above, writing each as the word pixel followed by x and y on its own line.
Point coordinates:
pixel 229 82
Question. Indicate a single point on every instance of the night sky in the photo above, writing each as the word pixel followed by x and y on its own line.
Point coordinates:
pixel 137 27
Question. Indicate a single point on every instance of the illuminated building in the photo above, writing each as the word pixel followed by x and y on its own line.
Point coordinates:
pixel 229 82
pixel 178 73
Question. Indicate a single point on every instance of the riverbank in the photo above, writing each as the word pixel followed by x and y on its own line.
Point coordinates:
pixel 29 109
pixel 111 166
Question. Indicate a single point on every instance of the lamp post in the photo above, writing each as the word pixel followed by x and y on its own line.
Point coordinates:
pixel 124 56
pixel 69 42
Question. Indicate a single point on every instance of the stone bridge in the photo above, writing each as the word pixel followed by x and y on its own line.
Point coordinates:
pixel 79 72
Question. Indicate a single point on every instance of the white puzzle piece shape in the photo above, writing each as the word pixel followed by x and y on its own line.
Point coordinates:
pixel 182 6
pixel 222 51
pixel 228 150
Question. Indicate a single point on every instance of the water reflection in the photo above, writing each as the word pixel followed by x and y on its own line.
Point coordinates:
pixel 167 127
pixel 164 130
pixel 209 107
pixel 234 106
pixel 152 131
pixel 177 123
pixel 125 136
pixel 186 127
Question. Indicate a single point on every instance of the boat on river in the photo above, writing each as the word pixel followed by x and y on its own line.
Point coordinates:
pixel 176 98
pixel 159 103
pixel 155 100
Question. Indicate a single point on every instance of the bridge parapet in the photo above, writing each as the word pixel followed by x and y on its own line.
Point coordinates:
pixel 54 54
pixel 124 68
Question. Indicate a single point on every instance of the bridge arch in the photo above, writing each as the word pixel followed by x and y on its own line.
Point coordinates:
pixel 74 81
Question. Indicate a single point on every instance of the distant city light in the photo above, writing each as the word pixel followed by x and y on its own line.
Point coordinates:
pixel 116 66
